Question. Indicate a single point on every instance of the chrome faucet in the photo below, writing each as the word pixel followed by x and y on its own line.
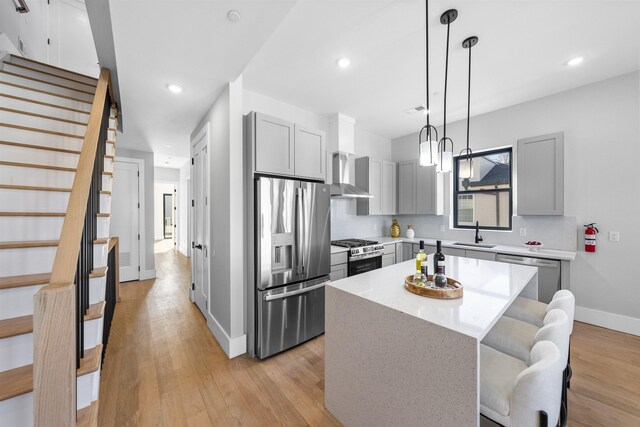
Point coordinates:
pixel 478 236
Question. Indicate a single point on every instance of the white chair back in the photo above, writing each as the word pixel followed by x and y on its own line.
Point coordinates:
pixel 556 329
pixel 539 387
pixel 565 301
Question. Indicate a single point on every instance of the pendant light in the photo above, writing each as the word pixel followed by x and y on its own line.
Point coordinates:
pixel 466 165
pixel 445 145
pixel 427 148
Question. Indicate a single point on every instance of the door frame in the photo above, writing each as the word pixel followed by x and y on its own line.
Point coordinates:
pixel 164 211
pixel 203 134
pixel 142 247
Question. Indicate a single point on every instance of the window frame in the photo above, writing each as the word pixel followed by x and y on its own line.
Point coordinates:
pixel 456 192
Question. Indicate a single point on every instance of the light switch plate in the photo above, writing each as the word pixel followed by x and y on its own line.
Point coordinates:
pixel 614 236
pixel 523 231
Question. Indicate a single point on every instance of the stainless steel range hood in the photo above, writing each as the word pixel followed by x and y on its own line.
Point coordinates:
pixel 341 188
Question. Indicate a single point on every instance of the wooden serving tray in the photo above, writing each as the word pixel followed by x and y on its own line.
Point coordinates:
pixel 456 292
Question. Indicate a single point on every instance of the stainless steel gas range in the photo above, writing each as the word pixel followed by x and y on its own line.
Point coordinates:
pixel 363 255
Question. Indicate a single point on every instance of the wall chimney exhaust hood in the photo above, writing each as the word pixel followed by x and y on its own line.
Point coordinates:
pixel 341 189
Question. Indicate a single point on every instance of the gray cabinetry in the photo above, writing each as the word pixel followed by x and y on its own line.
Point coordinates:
pixel 454 252
pixel 339 266
pixel 541 175
pixel 388 260
pixel 274 145
pixel 420 189
pixel 309 149
pixel 489 256
pixel 407 251
pixel 378 178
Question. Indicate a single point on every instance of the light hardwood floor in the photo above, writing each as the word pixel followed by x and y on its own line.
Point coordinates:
pixel 164 368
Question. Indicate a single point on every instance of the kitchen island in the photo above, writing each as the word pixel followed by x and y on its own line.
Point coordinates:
pixel 395 358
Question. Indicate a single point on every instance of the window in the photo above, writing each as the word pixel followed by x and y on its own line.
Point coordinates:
pixel 486 197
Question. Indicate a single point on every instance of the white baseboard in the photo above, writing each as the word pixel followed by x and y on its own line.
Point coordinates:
pixel 147 274
pixel 183 251
pixel 232 346
pixel 617 322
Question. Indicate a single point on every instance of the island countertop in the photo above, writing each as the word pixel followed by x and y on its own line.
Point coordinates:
pixel 489 288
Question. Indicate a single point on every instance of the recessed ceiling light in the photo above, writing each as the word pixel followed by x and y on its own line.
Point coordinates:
pixel 575 61
pixel 233 16
pixel 174 88
pixel 166 163
pixel 168 146
pixel 343 62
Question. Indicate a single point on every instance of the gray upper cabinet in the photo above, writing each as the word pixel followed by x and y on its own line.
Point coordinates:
pixel 378 178
pixel 309 149
pixel 389 188
pixel 407 187
pixel 540 171
pixel 274 145
pixel 420 189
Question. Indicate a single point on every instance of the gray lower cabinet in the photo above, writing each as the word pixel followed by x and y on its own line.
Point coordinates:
pixel 309 149
pixel 407 251
pixel 388 259
pixel 378 178
pixel 489 256
pixel 454 252
pixel 541 175
pixel 338 272
pixel 274 145
pixel 420 189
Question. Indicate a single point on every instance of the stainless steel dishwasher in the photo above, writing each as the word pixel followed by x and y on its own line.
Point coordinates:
pixel 548 273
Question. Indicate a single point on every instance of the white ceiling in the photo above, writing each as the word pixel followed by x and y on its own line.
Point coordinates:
pixel 520 56
pixel 188 42
pixel 169 161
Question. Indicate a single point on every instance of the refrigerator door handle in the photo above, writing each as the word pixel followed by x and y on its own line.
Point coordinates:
pixel 299 232
pixel 292 293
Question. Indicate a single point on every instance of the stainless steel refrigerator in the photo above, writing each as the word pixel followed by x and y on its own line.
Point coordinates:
pixel 292 262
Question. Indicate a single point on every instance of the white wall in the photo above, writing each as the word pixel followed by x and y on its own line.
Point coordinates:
pixel 147 157
pixel 167 174
pixel 226 297
pixel 601 125
pixel 30 27
pixel 160 189
pixel 184 217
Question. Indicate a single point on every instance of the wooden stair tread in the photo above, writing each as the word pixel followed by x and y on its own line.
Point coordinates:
pixel 105 192
pixel 95 311
pixel 25 280
pixel 46 92
pixel 47 104
pixel 98 272
pixel 103 215
pixel 100 241
pixel 107 173
pixel 48 214
pixel 109 156
pixel 109 141
pixel 88 416
pixel 52 67
pixel 50 132
pixel 50 74
pixel 33 79
pixel 16 382
pixel 16 326
pixel 37 166
pixel 41 116
pixel 34 188
pixel 40 147
pixel 28 244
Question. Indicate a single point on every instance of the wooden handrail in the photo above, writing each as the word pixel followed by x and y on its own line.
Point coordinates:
pixel 64 266
pixel 54 313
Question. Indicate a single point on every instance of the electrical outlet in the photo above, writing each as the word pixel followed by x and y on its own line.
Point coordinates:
pixel 614 236
pixel 442 227
pixel 523 231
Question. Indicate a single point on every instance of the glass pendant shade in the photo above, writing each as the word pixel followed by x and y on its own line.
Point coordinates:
pixel 465 168
pixel 428 153
pixel 445 161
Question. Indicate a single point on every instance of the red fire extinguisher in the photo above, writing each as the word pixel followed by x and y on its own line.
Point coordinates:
pixel 590 237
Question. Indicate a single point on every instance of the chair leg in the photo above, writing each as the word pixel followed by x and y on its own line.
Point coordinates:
pixel 570 372
pixel 544 419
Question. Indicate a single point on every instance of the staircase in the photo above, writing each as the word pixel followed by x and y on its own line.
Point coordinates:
pixel 57 147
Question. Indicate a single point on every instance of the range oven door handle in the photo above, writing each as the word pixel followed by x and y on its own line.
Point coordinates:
pixel 292 293
pixel 364 256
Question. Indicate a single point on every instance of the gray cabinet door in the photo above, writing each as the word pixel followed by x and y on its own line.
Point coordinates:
pixel 274 145
pixel 454 252
pixel 369 179
pixel 489 256
pixel 541 175
pixel 429 191
pixel 407 180
pixel 389 188
pixel 309 157
pixel 407 251
pixel 388 260
pixel 338 272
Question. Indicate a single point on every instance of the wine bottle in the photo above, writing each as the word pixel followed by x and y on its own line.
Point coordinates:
pixel 421 256
pixel 438 259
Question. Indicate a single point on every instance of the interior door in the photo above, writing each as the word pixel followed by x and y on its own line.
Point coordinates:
pixel 200 244
pixel 125 218
pixel 167 208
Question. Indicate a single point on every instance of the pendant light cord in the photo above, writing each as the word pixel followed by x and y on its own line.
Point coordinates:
pixel 426 5
pixel 446 75
pixel 469 101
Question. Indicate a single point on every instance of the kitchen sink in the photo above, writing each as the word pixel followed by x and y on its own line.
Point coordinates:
pixel 475 245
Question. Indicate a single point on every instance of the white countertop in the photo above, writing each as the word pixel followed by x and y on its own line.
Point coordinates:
pixel 503 249
pixel 489 288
